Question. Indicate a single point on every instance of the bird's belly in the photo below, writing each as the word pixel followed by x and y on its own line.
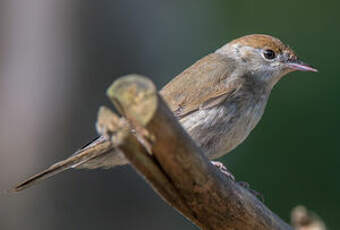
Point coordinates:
pixel 220 129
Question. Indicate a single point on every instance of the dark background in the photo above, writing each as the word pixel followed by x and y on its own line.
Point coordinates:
pixel 57 57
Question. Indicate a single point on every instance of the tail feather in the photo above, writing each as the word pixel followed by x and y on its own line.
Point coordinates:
pixel 96 148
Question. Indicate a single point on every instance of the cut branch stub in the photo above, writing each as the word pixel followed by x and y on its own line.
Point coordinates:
pixel 135 97
pixel 214 201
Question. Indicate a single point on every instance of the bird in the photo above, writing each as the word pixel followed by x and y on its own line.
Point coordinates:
pixel 218 100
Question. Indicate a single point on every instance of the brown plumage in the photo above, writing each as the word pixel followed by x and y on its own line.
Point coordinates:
pixel 262 42
pixel 218 100
pixel 209 72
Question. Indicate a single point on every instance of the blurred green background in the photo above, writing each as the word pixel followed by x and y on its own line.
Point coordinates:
pixel 58 57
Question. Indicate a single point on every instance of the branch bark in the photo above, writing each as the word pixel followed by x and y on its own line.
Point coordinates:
pixel 160 150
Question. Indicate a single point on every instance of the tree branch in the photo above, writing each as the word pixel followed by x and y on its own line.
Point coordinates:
pixel 160 149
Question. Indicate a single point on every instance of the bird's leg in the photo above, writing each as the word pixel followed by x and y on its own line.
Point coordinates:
pixel 244 184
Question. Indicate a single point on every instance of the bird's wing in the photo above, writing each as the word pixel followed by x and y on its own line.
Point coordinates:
pixel 208 82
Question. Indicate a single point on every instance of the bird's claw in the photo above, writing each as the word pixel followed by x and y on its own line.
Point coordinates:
pixel 223 169
pixel 243 184
pixel 252 191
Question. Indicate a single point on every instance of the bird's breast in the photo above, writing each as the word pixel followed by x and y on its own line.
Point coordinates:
pixel 220 129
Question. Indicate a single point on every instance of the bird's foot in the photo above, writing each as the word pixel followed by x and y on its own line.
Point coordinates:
pixel 252 191
pixel 243 184
pixel 223 169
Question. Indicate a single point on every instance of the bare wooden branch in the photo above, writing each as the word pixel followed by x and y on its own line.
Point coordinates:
pixel 141 159
pixel 169 159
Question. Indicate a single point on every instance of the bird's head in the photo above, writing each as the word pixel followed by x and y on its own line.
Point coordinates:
pixel 264 57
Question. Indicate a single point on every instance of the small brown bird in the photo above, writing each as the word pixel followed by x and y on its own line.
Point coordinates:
pixel 218 100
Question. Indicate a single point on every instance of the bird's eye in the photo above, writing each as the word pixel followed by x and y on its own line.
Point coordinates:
pixel 269 54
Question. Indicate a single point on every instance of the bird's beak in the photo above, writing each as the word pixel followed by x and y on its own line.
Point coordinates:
pixel 300 65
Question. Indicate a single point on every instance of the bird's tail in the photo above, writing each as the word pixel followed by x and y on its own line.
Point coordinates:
pixel 96 148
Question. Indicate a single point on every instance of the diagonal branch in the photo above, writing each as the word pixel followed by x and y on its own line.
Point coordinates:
pixel 168 158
